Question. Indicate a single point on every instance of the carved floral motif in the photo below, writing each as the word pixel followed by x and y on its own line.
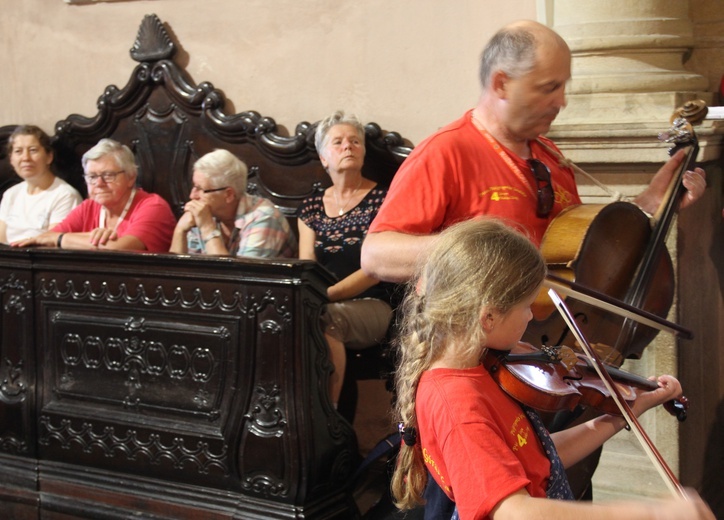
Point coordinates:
pixel 266 418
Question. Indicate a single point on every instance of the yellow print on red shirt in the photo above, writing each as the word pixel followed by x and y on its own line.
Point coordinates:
pixel 499 193
pixel 433 466
pixel 562 197
pixel 520 432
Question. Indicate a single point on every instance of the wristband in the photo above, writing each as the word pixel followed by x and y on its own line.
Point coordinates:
pixel 60 241
pixel 214 234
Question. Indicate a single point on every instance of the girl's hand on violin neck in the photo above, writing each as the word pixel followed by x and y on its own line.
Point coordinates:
pixel 669 388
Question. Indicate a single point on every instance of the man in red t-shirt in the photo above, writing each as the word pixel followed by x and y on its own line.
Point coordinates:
pixel 493 161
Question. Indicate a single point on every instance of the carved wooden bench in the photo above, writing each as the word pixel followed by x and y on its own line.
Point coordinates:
pixel 173 386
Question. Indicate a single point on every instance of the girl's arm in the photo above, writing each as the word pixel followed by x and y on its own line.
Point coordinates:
pixel 577 442
pixel 521 506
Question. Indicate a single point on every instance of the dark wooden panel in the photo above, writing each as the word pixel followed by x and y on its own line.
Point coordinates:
pixel 168 383
pixel 701 360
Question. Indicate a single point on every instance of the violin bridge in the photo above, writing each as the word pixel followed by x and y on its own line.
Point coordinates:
pixel 563 355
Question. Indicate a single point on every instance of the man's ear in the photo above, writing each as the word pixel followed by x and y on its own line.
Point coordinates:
pixel 499 82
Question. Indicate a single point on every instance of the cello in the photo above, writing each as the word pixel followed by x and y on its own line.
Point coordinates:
pixel 617 250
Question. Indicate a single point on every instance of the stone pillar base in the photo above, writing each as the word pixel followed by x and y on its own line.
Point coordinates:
pixel 619 128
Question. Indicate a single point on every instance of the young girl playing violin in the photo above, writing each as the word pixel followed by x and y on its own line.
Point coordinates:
pixel 492 456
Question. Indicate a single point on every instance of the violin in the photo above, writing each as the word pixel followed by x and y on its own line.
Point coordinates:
pixel 632 422
pixel 551 379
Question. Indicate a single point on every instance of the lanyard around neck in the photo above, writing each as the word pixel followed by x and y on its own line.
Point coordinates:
pixel 102 217
pixel 504 155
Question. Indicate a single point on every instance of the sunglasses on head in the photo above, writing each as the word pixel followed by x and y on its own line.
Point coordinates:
pixel 545 189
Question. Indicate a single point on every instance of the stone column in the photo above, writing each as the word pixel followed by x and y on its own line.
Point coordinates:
pixel 629 76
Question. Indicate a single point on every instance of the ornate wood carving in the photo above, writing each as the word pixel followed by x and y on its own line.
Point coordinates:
pixel 200 383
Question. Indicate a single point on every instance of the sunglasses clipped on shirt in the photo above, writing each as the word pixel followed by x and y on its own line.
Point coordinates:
pixel 546 197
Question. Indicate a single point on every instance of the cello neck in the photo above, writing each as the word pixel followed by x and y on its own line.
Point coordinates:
pixel 670 204
pixel 661 223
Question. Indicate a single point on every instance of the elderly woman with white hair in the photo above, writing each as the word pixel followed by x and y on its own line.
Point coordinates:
pixel 117 215
pixel 222 219
pixel 332 226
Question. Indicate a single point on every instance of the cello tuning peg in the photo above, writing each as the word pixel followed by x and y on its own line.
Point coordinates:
pixel 680 131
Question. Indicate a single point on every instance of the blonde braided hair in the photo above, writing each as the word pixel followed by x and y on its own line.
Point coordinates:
pixel 473 265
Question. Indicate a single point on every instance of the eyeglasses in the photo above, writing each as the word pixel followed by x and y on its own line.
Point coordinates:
pixel 106 176
pixel 546 196
pixel 211 190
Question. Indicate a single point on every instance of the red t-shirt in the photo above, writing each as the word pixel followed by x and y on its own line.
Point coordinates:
pixel 149 219
pixel 477 442
pixel 455 174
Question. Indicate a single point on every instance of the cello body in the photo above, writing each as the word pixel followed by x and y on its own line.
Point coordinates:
pixel 601 246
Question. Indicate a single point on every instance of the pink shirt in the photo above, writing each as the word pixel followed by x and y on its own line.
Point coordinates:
pixel 149 219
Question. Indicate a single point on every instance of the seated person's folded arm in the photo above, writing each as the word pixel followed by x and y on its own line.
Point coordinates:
pixel 351 286
pixel 306 241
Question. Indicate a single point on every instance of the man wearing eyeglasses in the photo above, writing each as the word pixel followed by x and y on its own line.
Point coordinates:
pixel 494 160
pixel 117 215
pixel 222 219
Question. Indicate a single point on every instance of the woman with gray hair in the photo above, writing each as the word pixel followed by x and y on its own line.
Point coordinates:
pixel 332 226
pixel 117 214
pixel 222 219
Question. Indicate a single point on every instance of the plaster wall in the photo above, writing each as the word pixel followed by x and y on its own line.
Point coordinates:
pixel 409 65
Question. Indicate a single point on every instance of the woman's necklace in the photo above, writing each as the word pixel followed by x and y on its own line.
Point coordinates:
pixel 342 208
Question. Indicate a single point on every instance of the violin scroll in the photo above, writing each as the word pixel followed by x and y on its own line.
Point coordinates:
pixel 679 408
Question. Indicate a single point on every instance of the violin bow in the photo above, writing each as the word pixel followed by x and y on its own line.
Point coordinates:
pixel 648 446
pixel 607 303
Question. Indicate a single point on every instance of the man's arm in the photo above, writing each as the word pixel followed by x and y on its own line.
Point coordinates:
pixel 392 256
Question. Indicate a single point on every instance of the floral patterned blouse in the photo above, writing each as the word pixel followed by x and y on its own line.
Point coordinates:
pixel 338 239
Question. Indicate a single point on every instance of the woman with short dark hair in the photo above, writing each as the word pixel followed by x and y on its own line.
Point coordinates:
pixel 41 200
